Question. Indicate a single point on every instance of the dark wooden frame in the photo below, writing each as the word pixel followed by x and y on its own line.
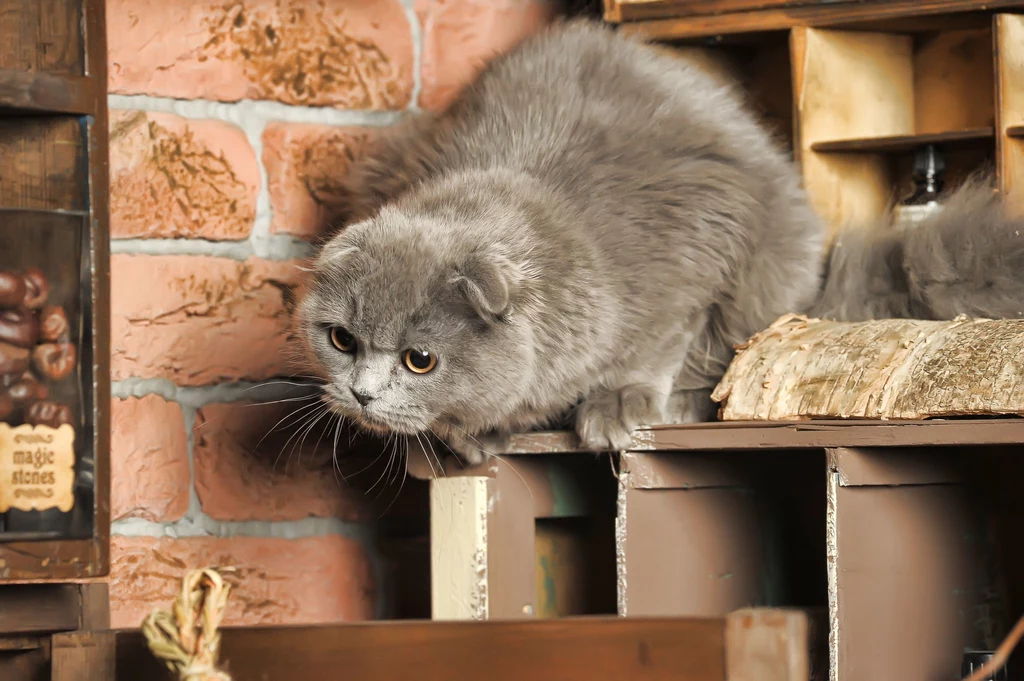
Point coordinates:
pixel 85 95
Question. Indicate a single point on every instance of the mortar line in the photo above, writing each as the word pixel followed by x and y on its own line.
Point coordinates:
pixel 253 109
pixel 416 29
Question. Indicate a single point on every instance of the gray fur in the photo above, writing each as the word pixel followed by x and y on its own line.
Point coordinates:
pixel 595 223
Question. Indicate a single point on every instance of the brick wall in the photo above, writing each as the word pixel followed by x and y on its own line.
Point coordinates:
pixel 228 120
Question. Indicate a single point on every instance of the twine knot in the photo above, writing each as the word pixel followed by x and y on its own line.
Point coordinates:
pixel 187 638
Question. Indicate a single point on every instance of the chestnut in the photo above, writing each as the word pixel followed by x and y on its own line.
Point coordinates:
pixel 49 414
pixel 12 289
pixel 19 327
pixel 13 360
pixel 54 361
pixel 28 389
pixel 53 325
pixel 37 288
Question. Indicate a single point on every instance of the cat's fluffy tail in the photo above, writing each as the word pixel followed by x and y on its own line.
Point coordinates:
pixel 967 259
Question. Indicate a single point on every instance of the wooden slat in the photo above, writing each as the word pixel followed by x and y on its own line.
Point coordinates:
pixel 540 650
pixel 767 645
pixel 636 10
pixel 1009 31
pixel 42 35
pixel 83 656
pixel 99 353
pixel 748 435
pixel 45 92
pixel 43 163
pixel 39 608
pixel 906 143
pixel 872 14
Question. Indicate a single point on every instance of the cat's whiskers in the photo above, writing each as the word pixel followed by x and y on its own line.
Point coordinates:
pixel 275 426
pixel 499 458
pixel 311 420
pixel 401 485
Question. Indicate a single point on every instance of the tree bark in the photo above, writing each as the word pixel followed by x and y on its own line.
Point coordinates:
pixel 800 368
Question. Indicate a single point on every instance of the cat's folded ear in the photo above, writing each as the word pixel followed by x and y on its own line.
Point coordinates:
pixel 334 251
pixel 490 282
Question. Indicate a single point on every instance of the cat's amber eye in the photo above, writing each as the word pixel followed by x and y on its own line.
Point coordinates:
pixel 419 362
pixel 342 339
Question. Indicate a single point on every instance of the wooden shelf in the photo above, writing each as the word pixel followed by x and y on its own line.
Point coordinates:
pixel 47 93
pixel 874 15
pixel 904 143
pixel 794 435
pixel 1016 131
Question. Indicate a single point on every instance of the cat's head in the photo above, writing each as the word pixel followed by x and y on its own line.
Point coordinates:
pixel 414 327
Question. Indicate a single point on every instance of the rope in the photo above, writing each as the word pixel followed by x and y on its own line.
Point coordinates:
pixel 187 639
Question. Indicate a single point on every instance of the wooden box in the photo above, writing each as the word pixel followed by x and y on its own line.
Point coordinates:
pixel 54 291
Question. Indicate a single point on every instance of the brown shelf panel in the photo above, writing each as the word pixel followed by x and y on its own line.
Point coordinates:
pixel 1015 131
pixel 49 93
pixel 795 435
pixel 904 143
pixel 821 14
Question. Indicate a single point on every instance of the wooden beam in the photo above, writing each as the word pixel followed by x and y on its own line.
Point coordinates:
pixel 539 650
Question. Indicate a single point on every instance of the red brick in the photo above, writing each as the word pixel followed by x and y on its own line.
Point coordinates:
pixel 460 36
pixel 352 54
pixel 304 164
pixel 148 460
pixel 199 320
pixel 171 177
pixel 279 581
pixel 252 463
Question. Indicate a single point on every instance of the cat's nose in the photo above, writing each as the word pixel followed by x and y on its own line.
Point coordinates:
pixel 362 398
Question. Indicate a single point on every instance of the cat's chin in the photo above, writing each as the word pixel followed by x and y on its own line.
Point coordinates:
pixel 381 427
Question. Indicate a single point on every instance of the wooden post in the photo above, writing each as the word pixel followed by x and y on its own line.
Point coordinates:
pixel 484 529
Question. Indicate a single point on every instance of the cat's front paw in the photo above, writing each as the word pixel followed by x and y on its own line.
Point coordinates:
pixel 474 450
pixel 606 422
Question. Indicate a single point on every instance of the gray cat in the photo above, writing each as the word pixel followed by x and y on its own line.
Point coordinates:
pixel 590 229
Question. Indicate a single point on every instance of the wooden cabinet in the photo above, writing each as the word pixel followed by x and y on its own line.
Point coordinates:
pixel 54 341
pixel 54 291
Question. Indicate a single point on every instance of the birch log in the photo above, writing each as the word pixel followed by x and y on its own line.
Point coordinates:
pixel 800 368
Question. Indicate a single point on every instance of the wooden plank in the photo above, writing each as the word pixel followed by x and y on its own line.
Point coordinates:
pixel 1009 31
pixel 763 435
pixel 39 608
pixel 45 163
pixel 539 650
pixel 850 84
pixel 459 548
pixel 863 14
pixel 954 81
pixel 95 599
pixel 99 198
pixel 799 435
pixel 860 467
pixel 26 665
pixel 696 470
pixel 47 93
pixel 905 566
pixel 84 656
pixel 42 35
pixel 636 10
pixel 905 143
pixel 693 553
pixel 767 645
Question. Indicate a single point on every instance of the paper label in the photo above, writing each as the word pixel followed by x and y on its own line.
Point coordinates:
pixel 37 468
